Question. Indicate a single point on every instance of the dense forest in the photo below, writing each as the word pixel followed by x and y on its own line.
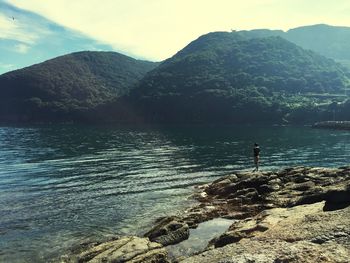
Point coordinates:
pixel 225 77
pixel 59 88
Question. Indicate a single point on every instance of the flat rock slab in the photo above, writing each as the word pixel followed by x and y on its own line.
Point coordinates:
pixel 303 233
pixel 129 249
pixel 256 251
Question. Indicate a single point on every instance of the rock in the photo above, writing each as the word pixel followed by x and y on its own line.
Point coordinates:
pixel 227 238
pixel 298 214
pixel 336 199
pixel 241 229
pixel 249 251
pixel 268 188
pixel 303 213
pixel 220 183
pixel 303 186
pixel 128 249
pixel 169 231
pixel 303 233
pixel 246 194
pixel 237 215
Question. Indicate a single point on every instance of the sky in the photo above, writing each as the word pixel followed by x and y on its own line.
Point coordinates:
pixel 32 31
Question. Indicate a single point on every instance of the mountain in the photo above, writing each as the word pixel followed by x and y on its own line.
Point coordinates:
pixel 228 77
pixel 67 85
pixel 241 76
pixel 329 41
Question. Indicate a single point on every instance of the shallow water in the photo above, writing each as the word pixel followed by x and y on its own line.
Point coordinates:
pixel 62 185
pixel 200 237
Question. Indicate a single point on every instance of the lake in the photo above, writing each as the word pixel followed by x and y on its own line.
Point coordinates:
pixel 62 185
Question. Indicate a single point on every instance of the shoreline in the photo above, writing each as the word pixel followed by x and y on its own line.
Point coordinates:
pixel 337 125
pixel 264 207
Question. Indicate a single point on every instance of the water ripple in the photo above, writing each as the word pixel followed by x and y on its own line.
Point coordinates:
pixel 61 185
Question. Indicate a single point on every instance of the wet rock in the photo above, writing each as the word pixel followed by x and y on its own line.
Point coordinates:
pixel 168 231
pixel 303 233
pixel 298 214
pixel 128 249
pixel 288 208
pixel 246 194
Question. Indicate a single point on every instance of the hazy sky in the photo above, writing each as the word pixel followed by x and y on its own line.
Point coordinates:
pixel 157 29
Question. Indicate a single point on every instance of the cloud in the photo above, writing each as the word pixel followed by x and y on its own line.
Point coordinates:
pixel 14 30
pixel 156 29
pixel 27 38
pixel 6 66
pixel 21 48
pixel 153 29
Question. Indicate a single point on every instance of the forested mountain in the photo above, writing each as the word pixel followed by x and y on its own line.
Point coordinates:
pixel 329 41
pixel 228 77
pixel 68 84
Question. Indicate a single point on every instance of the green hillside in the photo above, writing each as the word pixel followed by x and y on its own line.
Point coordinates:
pixel 227 77
pixel 244 76
pixel 67 85
pixel 329 41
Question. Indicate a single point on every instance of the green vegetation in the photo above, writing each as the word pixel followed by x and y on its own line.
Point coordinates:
pixel 244 76
pixel 62 87
pixel 227 77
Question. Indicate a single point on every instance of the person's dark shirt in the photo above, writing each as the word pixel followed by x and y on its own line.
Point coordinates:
pixel 256 151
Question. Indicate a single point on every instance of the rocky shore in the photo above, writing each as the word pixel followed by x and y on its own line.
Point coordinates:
pixel 298 214
pixel 339 125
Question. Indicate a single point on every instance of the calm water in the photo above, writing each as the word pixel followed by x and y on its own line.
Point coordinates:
pixel 62 185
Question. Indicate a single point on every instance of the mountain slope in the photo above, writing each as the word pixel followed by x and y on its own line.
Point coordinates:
pixel 244 76
pixel 329 41
pixel 228 77
pixel 67 84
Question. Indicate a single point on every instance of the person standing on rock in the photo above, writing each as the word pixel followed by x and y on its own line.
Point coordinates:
pixel 256 151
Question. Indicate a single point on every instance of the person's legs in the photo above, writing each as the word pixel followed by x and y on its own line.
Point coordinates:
pixel 256 161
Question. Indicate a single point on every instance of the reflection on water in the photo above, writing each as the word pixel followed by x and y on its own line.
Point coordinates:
pixel 61 185
pixel 200 237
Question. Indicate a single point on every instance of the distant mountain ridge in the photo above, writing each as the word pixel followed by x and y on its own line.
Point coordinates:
pixel 329 41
